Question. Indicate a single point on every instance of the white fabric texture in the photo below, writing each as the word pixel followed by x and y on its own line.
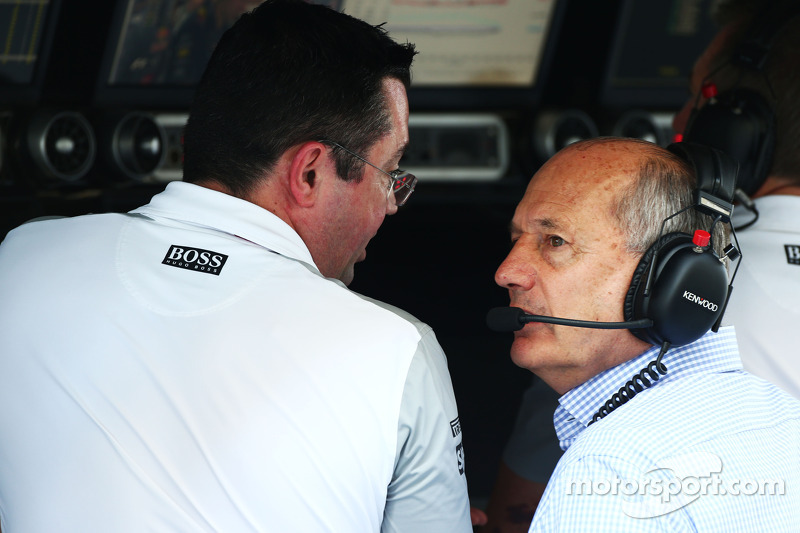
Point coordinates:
pixel 765 302
pixel 185 367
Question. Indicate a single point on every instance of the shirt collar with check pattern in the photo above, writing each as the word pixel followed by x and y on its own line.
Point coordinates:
pixel 713 352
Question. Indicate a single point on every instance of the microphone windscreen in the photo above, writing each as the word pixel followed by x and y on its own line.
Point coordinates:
pixel 505 319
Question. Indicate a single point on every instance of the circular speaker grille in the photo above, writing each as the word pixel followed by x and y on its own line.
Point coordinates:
pixel 555 130
pixel 652 127
pixel 138 145
pixel 63 145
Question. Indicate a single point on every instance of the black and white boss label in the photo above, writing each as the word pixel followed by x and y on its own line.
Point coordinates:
pixel 455 427
pixel 792 253
pixel 195 259
pixel 460 458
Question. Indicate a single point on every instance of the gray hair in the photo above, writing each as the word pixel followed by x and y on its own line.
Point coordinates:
pixel 663 186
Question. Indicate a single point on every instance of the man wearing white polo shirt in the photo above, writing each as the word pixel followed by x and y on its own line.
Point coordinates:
pixel 198 364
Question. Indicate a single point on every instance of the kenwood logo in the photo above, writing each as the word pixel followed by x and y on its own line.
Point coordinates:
pixel 195 259
pixel 708 304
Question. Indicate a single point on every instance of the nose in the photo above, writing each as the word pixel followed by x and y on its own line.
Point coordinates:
pixel 516 272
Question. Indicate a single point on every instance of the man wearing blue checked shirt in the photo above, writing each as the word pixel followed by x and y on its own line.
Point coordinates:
pixel 662 428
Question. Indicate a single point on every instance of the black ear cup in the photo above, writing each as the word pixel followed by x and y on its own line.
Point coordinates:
pixel 681 287
pixel 637 284
pixel 740 123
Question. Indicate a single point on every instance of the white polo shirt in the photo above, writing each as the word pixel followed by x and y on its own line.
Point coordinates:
pixel 765 302
pixel 185 367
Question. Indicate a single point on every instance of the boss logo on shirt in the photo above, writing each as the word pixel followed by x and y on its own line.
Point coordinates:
pixel 195 259
pixel 455 427
pixel 792 253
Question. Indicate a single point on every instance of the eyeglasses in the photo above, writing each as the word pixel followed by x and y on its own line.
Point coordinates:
pixel 402 183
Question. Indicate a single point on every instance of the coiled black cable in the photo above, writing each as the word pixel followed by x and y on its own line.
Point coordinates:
pixel 644 379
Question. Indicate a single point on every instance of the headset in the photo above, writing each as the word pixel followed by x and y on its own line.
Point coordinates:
pixel 740 121
pixel 680 283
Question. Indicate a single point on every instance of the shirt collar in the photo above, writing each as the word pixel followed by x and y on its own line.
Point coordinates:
pixel 713 352
pixel 203 207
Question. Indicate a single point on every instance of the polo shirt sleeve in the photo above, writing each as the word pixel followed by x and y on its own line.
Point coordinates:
pixel 428 490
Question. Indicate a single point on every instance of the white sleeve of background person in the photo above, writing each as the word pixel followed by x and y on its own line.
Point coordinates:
pixel 765 302
pixel 428 491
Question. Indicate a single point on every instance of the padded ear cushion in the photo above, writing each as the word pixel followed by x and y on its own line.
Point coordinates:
pixel 686 295
pixel 639 278
pixel 742 124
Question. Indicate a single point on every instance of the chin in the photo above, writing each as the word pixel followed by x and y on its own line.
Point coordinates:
pixel 523 353
pixel 532 352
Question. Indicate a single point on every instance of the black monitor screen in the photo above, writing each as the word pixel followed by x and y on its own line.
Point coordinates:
pixel 481 44
pixel 24 33
pixel 167 42
pixel 478 43
pixel 654 51
pixel 474 54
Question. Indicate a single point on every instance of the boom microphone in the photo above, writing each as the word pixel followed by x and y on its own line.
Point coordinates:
pixel 513 318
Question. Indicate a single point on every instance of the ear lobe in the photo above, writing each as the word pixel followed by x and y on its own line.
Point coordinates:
pixel 304 172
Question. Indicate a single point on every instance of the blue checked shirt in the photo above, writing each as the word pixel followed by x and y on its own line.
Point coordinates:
pixel 709 447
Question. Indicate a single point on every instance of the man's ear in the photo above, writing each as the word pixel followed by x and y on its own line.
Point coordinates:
pixel 305 170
